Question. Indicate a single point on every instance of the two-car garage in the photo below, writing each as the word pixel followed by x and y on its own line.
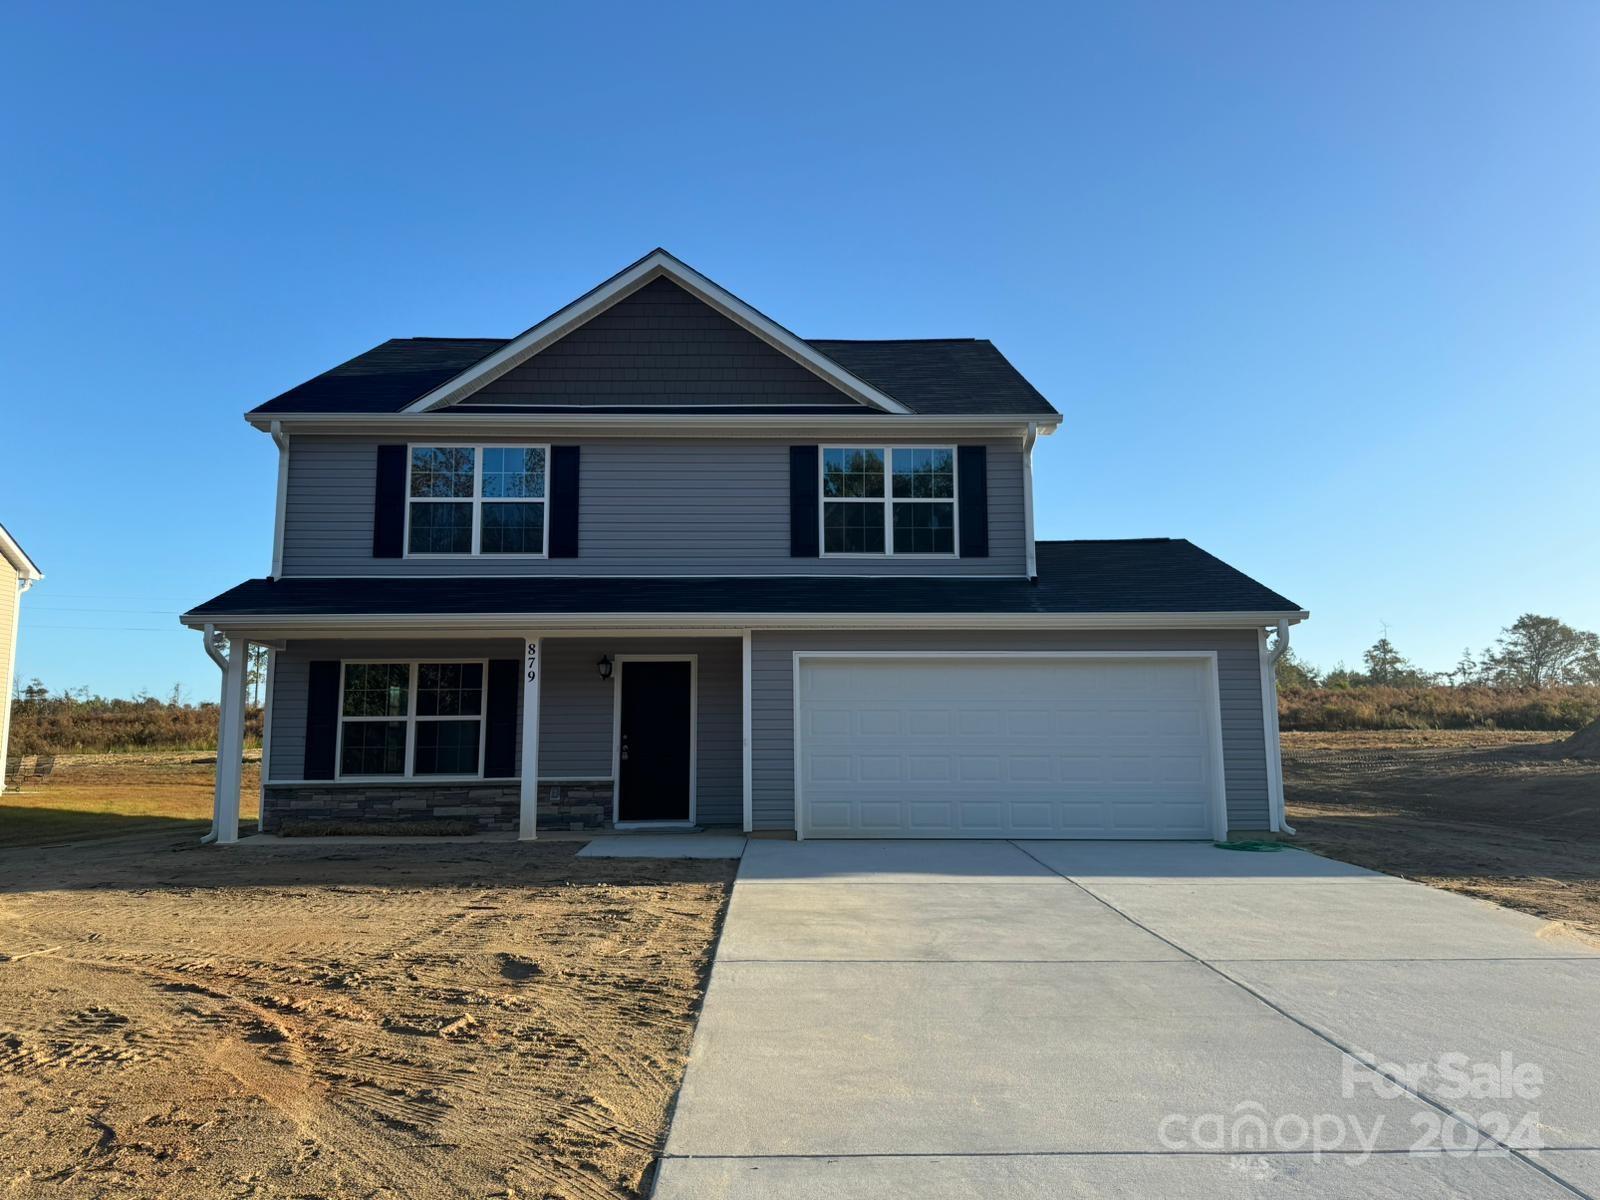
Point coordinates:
pixel 1040 745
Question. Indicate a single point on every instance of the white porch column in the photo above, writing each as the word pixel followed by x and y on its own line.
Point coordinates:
pixel 528 821
pixel 230 742
pixel 749 749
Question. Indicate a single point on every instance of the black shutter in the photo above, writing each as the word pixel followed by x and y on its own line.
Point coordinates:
pixel 389 504
pixel 803 501
pixel 500 720
pixel 563 506
pixel 322 720
pixel 972 478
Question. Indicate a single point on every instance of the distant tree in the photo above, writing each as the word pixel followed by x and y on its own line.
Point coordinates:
pixel 1385 664
pixel 1294 672
pixel 1540 652
pixel 1343 677
pixel 176 699
pixel 1467 670
pixel 255 672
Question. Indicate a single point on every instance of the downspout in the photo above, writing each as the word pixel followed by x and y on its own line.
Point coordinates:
pixel 1028 440
pixel 212 640
pixel 1280 647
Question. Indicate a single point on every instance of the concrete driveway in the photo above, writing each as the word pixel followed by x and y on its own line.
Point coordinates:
pixel 1049 1019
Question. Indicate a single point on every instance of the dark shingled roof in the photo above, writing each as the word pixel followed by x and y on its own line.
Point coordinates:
pixel 1147 575
pixel 942 377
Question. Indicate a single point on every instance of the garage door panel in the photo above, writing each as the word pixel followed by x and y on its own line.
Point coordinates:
pixel 989 748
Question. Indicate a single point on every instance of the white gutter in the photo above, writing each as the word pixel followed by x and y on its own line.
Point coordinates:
pixel 976 425
pixel 1269 701
pixel 515 624
pixel 210 639
pixel 1028 439
pixel 281 440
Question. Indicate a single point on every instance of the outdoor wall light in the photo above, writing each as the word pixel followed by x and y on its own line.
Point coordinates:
pixel 604 666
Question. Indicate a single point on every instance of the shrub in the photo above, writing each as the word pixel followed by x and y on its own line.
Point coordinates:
pixel 70 725
pixel 1332 709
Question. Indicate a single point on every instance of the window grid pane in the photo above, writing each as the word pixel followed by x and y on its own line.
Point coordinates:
pixel 852 528
pixel 446 748
pixel 373 748
pixel 376 689
pixel 512 528
pixel 852 473
pixel 441 528
pixel 449 689
pixel 924 475
pixel 442 471
pixel 513 472
pixel 924 528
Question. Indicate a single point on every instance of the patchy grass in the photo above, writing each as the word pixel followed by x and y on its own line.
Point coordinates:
pixel 108 799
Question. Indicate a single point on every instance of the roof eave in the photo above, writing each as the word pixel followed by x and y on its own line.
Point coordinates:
pixel 521 624
pixel 667 422
pixel 14 554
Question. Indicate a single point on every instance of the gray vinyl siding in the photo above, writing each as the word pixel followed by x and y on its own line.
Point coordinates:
pixel 646 507
pixel 575 706
pixel 660 347
pixel 772 700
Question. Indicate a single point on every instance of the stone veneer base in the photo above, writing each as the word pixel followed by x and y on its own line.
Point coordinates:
pixel 489 806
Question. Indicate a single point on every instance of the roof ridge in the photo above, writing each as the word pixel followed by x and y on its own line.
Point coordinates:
pixel 1101 541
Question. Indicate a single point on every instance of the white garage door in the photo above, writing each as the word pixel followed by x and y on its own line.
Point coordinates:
pixel 1056 747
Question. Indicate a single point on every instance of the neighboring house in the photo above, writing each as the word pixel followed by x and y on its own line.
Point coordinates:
pixel 17 574
pixel 657 560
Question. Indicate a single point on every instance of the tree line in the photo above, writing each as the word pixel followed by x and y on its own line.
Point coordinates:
pixel 1533 652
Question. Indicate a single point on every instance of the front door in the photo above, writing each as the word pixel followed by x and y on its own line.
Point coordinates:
pixel 654 741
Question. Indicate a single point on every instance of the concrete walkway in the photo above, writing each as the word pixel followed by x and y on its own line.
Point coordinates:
pixel 1051 1019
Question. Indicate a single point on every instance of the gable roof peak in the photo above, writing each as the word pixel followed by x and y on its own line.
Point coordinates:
pixel 657 264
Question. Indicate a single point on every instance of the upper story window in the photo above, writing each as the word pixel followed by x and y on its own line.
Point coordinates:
pixel 476 500
pixel 888 500
pixel 411 719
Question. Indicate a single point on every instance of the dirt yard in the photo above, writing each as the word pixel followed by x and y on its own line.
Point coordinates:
pixel 332 1020
pixel 1494 815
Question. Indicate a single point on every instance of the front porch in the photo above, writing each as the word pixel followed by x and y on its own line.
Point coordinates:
pixel 467 735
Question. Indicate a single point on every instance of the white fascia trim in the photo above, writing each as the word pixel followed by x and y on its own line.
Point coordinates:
pixel 516 624
pixel 665 424
pixel 18 558
pixel 655 265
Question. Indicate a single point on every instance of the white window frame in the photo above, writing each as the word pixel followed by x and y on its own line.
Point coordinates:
pixel 477 499
pixel 411 719
pixel 888 501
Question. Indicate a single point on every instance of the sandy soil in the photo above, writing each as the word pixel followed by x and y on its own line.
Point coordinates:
pixel 1494 816
pixel 417 1020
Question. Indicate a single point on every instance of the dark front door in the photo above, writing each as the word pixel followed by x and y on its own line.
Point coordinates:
pixel 654 750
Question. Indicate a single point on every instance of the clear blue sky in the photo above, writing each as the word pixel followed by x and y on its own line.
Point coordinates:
pixel 1317 286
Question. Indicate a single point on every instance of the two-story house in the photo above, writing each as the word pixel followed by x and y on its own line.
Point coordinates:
pixel 658 560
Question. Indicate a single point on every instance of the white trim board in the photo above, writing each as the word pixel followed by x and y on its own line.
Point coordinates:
pixel 658 264
pixel 513 625
pixel 1213 703
pixel 619 675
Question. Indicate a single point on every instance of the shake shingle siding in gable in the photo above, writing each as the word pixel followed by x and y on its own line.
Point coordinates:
pixel 646 507
pixel 660 347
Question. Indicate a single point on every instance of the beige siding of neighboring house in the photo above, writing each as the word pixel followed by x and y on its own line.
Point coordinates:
pixel 9 605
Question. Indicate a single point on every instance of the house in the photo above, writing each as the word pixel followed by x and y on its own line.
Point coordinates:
pixel 659 561
pixel 17 574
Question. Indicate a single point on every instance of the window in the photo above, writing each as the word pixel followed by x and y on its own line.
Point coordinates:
pixel 888 500
pixel 476 500
pixel 411 719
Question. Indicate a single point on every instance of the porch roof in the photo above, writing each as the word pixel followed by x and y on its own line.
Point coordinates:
pixel 1136 576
